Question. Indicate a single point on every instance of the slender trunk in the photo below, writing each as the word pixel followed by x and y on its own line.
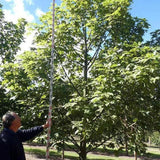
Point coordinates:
pixel 135 154
pixel 149 140
pixel 63 151
pixel 63 154
pixel 83 154
pixel 85 61
pixel 126 144
pixel 83 151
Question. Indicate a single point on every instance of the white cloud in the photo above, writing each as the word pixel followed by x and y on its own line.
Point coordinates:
pixel 8 0
pixel 39 12
pixel 30 2
pixel 18 11
pixel 25 46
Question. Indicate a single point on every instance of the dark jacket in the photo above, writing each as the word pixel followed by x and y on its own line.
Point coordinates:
pixel 11 147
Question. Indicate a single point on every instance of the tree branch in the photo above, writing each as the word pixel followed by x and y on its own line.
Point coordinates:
pixel 97 51
pixel 70 80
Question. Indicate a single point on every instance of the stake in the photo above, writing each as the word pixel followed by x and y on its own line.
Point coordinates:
pixel 51 86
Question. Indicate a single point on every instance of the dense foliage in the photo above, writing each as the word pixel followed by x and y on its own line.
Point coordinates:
pixel 11 36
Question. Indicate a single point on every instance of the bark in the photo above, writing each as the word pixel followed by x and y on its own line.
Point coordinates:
pixel 63 151
pixel 135 154
pixel 83 154
pixel 126 145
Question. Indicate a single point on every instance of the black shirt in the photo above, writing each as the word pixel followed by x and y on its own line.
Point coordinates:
pixel 11 147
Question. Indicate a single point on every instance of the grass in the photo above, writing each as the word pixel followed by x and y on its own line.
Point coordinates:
pixel 152 153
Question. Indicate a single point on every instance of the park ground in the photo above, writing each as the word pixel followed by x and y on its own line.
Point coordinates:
pixel 35 152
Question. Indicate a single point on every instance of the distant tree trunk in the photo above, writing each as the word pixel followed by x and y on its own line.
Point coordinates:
pixel 63 154
pixel 135 154
pixel 126 136
pixel 126 147
pixel 149 140
pixel 126 144
pixel 63 151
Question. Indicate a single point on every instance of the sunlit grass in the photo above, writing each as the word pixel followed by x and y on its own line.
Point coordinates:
pixel 152 152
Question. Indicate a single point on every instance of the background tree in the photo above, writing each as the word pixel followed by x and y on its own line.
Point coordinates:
pixel 11 36
pixel 155 39
pixel 132 77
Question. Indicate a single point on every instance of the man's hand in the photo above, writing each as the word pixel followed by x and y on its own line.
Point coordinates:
pixel 46 125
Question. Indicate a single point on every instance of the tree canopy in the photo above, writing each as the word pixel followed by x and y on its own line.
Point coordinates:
pixel 11 36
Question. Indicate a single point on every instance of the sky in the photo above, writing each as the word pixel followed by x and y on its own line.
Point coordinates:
pixel 31 10
pixel 149 9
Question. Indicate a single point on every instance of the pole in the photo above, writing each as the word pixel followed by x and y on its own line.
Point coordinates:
pixel 51 85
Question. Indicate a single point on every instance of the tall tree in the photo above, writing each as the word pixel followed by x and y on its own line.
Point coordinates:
pixel 83 30
pixel 131 96
pixel 11 36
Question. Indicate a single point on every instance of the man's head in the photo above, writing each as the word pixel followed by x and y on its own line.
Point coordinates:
pixel 12 121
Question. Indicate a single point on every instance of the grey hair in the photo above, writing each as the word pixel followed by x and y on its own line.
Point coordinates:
pixel 7 119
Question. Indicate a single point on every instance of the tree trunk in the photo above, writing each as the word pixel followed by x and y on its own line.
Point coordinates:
pixel 63 150
pixel 126 145
pixel 85 63
pixel 149 140
pixel 135 154
pixel 83 154
pixel 63 154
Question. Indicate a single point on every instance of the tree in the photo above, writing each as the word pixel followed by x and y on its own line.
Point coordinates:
pixel 11 36
pixel 83 30
pixel 155 39
pixel 131 95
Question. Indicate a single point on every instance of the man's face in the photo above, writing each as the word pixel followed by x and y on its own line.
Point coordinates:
pixel 17 121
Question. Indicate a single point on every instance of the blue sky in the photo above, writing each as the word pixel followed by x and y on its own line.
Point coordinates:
pixel 149 9
pixel 31 10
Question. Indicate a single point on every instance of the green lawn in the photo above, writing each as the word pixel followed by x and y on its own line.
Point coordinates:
pixel 152 153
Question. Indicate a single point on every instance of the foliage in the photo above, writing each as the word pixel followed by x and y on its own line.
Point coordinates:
pixel 155 38
pixel 155 138
pixel 128 81
pixel 11 35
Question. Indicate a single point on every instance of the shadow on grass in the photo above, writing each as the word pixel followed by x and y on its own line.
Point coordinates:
pixel 100 159
pixel 154 147
pixel 40 153
pixel 54 155
pixel 152 156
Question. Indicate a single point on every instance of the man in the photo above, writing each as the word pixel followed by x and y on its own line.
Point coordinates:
pixel 11 137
